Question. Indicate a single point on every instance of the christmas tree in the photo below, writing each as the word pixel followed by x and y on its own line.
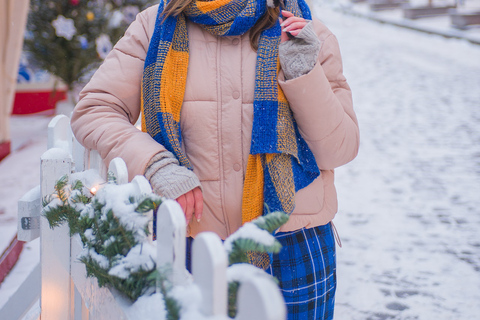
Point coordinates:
pixel 70 38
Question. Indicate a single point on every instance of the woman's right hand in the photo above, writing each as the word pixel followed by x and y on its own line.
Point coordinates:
pixel 192 204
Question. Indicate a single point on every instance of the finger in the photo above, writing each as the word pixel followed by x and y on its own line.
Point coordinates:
pixel 291 20
pixel 182 202
pixel 283 37
pixel 189 206
pixel 286 13
pixel 295 32
pixel 295 26
pixel 198 196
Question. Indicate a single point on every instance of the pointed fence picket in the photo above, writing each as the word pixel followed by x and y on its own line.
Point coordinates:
pixel 67 292
pixel 210 273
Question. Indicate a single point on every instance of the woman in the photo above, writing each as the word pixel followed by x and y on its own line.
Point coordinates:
pixel 242 106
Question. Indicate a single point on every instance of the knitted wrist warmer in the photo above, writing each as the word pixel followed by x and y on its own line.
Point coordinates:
pixel 168 178
pixel 299 55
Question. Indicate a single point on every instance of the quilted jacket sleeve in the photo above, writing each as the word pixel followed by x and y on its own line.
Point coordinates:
pixel 321 102
pixel 110 103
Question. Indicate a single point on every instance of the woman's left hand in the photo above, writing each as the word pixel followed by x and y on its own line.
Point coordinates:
pixel 291 24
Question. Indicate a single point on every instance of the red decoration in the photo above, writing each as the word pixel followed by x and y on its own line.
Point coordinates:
pixel 34 101
pixel 74 2
pixel 9 257
pixel 4 150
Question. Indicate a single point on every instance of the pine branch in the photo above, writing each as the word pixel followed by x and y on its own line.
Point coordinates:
pixel 56 216
pixel 77 185
pixel 103 234
pixel 244 247
pixel 271 221
pixel 111 178
pixel 148 203
pixel 232 298
pixel 172 306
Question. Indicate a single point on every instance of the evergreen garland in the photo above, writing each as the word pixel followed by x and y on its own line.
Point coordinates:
pixel 107 240
pixel 246 248
pixel 242 247
pixel 70 38
pixel 171 305
pixel 233 287
pixel 103 234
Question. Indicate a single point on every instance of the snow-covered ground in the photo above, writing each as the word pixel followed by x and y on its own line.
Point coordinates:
pixel 20 171
pixel 409 211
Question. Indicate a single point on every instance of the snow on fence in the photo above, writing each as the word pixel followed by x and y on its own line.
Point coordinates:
pixel 66 291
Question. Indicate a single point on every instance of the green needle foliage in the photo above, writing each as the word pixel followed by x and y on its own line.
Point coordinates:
pixel 102 234
pixel 171 305
pixel 63 211
pixel 107 240
pixel 232 298
pixel 242 248
pixel 249 250
pixel 272 221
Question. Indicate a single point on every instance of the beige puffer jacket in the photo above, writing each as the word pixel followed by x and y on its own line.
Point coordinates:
pixel 216 119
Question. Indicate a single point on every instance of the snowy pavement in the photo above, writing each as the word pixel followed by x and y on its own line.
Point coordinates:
pixel 438 24
pixel 20 171
pixel 409 205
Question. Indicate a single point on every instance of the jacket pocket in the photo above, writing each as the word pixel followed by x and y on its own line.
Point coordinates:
pixel 310 200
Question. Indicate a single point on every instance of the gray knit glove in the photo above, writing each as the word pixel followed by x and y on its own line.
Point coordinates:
pixel 299 55
pixel 168 178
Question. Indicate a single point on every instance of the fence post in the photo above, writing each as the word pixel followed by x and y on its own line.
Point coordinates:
pixel 95 161
pixel 60 133
pixel 209 266
pixel 171 243
pixel 78 153
pixel 28 224
pixel 118 169
pixel 260 299
pixel 54 243
pixel 143 187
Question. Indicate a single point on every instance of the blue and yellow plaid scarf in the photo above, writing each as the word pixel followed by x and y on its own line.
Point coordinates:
pixel 280 162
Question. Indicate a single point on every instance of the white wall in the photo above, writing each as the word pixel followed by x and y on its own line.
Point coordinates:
pixel 13 18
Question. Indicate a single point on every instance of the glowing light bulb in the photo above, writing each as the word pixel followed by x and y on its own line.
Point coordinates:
pixel 93 190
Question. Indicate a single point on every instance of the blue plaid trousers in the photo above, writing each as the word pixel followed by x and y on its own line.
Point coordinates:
pixel 306 270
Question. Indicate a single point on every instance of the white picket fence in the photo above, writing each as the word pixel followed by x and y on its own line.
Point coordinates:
pixel 67 293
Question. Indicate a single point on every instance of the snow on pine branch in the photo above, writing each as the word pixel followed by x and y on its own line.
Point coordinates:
pixel 256 236
pixel 113 227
